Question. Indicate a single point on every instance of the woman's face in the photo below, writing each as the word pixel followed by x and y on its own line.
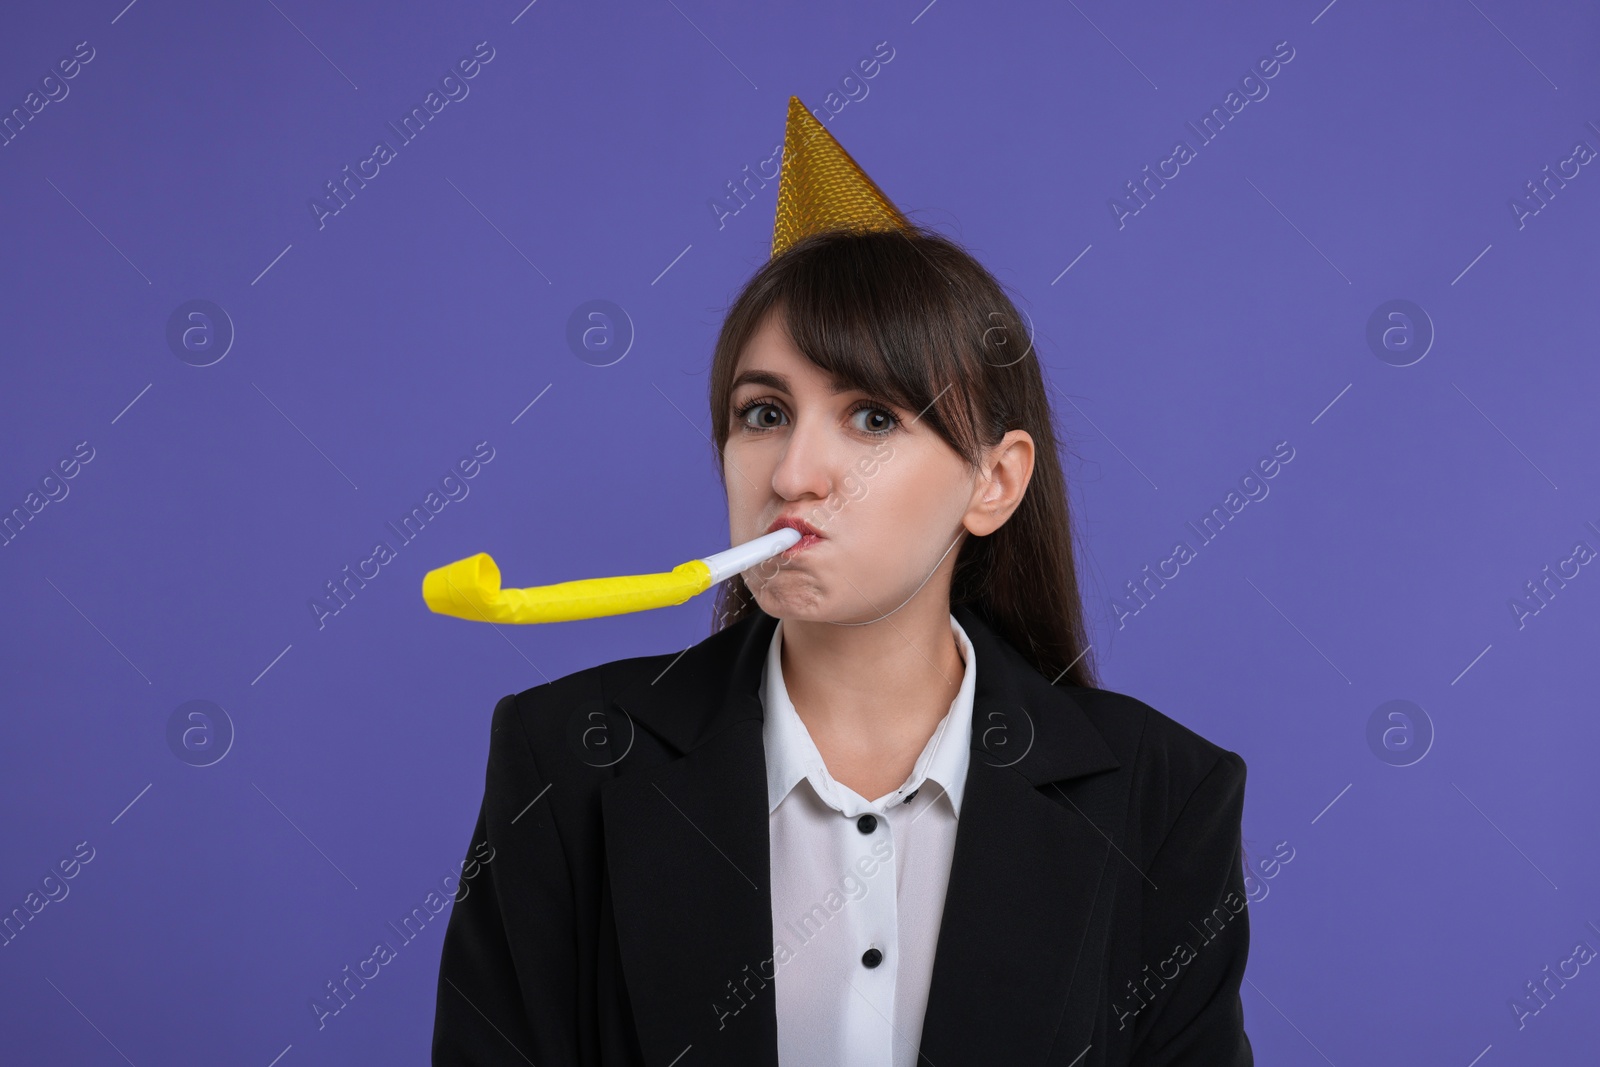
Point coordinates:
pixel 887 494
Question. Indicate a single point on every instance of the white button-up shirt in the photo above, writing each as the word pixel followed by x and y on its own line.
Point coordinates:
pixel 858 885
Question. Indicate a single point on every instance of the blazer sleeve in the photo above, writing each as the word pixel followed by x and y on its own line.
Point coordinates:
pixel 507 972
pixel 1197 932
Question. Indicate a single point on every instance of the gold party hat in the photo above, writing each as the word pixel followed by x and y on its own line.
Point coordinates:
pixel 822 188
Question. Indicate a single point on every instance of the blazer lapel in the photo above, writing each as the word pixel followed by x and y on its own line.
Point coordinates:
pixel 687 846
pixel 1007 984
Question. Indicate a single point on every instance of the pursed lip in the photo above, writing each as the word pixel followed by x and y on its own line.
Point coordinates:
pixel 795 523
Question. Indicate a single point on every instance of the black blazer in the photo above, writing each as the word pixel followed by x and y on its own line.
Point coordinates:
pixel 1095 915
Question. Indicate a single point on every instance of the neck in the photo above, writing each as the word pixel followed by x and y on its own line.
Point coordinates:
pixel 878 688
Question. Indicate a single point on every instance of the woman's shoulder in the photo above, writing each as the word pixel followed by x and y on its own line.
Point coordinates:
pixel 692 675
pixel 1163 754
pixel 586 685
pixel 574 715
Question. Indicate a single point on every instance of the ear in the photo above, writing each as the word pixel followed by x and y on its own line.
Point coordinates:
pixel 1002 480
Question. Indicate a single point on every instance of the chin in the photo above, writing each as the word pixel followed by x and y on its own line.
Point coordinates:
pixel 786 599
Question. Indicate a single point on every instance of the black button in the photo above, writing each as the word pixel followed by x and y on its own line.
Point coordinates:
pixel 872 957
pixel 912 795
pixel 867 823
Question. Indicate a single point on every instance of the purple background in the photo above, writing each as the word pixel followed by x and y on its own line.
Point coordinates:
pixel 371 353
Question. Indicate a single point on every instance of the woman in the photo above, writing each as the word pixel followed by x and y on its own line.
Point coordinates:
pixel 882 815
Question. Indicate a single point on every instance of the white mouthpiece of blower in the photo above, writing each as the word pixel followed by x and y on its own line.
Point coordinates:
pixel 731 561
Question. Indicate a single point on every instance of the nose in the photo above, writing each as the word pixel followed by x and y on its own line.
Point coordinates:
pixel 806 467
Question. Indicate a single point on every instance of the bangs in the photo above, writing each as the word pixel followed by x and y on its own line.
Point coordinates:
pixel 876 313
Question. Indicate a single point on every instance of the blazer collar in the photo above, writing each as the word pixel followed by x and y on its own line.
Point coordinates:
pixel 1007 727
pixel 688 853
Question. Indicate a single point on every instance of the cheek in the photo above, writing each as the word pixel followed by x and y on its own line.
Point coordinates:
pixel 748 476
pixel 734 461
pixel 905 502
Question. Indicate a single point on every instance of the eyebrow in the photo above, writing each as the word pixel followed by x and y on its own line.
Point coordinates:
pixel 773 380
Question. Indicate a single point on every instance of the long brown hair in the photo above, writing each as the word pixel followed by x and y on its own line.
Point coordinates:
pixel 911 317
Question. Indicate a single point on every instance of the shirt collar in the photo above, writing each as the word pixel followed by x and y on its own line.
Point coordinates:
pixel 792 756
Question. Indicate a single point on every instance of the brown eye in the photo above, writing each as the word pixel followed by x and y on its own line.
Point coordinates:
pixel 879 421
pixel 768 415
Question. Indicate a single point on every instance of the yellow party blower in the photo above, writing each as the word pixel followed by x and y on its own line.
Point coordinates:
pixel 470 588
